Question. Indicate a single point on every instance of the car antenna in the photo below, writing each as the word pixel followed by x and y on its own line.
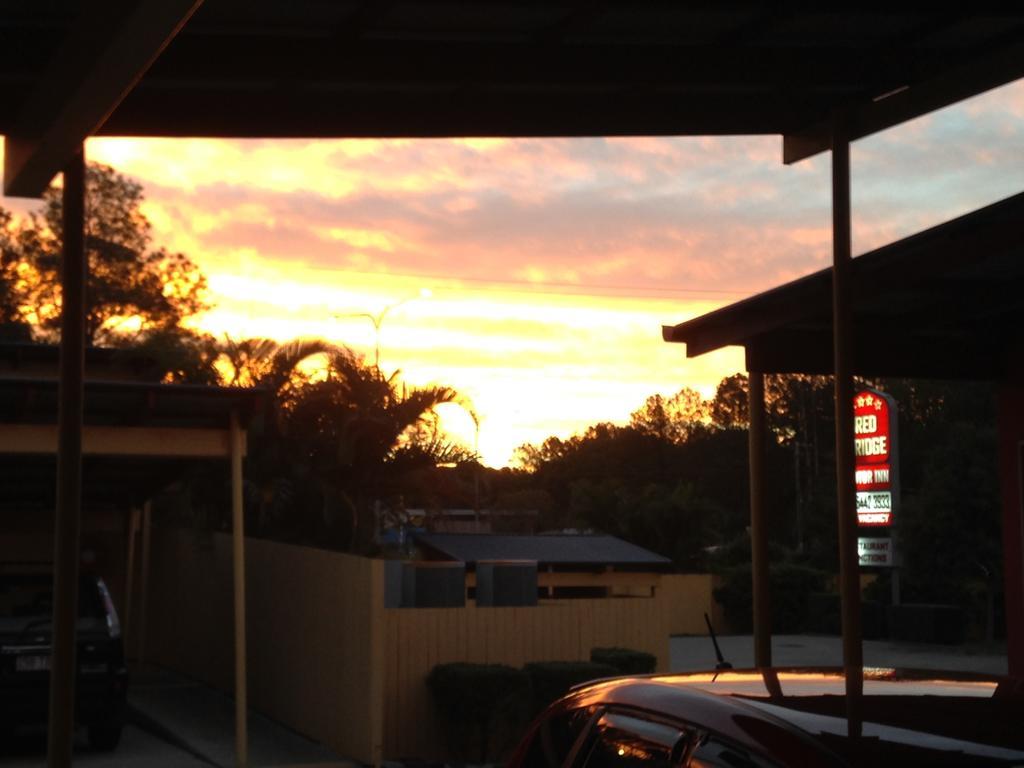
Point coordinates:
pixel 722 663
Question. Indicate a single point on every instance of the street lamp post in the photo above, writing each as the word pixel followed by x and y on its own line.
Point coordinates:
pixel 476 464
pixel 378 321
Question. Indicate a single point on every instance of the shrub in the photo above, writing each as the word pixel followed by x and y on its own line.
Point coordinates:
pixel 824 613
pixel 475 700
pixel 920 623
pixel 550 680
pixel 872 620
pixel 824 616
pixel 625 660
pixel 790 590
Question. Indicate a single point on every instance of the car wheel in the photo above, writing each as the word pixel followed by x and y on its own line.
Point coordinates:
pixel 104 736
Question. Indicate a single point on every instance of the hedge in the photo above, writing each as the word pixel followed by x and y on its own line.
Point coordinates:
pixel 475 701
pixel 551 680
pixel 625 660
pixel 824 616
pixel 921 623
pixel 791 587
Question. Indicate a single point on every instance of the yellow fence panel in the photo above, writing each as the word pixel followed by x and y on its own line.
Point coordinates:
pixel 327 659
pixel 417 639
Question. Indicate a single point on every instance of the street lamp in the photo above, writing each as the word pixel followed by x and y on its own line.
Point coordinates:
pixel 378 320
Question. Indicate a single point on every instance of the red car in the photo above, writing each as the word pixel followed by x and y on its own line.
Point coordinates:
pixel 782 717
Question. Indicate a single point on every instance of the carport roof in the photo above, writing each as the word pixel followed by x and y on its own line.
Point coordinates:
pixel 549 549
pixel 420 68
pixel 151 435
pixel 130 404
pixel 23 358
pixel 945 303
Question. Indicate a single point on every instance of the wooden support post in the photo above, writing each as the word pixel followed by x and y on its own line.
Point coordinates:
pixel 129 575
pixel 1010 430
pixel 377 699
pixel 238 544
pixel 846 496
pixel 69 467
pixel 98 62
pixel 147 535
pixel 758 524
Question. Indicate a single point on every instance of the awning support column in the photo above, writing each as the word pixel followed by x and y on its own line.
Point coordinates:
pixel 147 547
pixel 238 544
pixel 1010 430
pixel 758 526
pixel 69 466
pixel 846 497
pixel 134 515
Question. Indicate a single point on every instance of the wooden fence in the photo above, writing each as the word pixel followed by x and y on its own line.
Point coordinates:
pixel 417 639
pixel 327 659
pixel 313 624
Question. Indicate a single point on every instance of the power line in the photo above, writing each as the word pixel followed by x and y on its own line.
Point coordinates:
pixel 557 287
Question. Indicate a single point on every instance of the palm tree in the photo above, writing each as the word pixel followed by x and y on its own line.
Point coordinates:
pixel 325 448
pixel 366 435
pixel 271 487
pixel 265 363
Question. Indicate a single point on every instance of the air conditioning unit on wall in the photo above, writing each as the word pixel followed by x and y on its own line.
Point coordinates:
pixel 506 582
pixel 424 584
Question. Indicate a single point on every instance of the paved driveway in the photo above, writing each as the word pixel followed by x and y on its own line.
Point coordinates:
pixel 137 748
pixel 179 723
pixel 201 721
pixel 691 653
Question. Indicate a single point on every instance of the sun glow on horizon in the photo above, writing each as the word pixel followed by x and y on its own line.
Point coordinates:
pixel 552 263
pixel 530 367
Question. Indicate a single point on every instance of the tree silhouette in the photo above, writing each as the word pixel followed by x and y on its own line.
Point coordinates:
pixel 673 418
pixel 132 288
pixel 329 445
pixel 363 436
pixel 13 293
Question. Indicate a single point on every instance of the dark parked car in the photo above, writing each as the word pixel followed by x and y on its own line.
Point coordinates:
pixel 799 717
pixel 26 607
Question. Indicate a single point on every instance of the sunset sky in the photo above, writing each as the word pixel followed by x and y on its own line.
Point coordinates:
pixel 551 264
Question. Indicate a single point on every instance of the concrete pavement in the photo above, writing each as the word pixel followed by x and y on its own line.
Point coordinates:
pixel 138 749
pixel 693 653
pixel 200 722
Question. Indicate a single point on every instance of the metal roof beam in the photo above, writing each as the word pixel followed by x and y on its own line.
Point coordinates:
pixel 99 63
pixel 934 266
pixel 751 317
pixel 1002 66
pixel 908 355
pixel 151 442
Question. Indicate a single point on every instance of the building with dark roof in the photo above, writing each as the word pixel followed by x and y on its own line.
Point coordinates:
pixel 568 565
pixel 555 550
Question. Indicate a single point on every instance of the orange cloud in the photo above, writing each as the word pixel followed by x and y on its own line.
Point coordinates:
pixel 553 263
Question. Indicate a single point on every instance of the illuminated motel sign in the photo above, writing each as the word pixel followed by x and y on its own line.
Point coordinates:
pixel 877 463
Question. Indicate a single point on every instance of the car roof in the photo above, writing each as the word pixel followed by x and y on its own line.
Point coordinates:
pixel 803 716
